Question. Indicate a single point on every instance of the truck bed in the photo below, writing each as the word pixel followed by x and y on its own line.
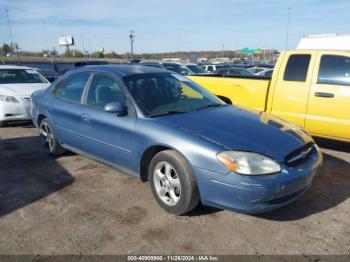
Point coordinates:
pixel 246 92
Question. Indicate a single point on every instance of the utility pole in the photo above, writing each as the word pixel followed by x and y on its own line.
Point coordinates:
pixel 8 22
pixel 287 30
pixel 132 39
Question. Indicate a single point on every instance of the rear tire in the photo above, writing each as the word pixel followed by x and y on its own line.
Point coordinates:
pixel 48 139
pixel 173 183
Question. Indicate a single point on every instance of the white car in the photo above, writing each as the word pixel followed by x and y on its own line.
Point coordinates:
pixel 17 84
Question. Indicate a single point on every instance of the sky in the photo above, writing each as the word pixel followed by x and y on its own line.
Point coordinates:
pixel 169 25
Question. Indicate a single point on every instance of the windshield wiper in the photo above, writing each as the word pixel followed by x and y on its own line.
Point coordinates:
pixel 173 112
pixel 209 106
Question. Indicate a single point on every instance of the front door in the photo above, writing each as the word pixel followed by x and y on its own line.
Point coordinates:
pixel 108 136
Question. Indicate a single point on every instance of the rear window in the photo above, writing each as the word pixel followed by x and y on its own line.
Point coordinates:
pixel 297 67
pixel 72 89
pixel 334 70
pixel 20 76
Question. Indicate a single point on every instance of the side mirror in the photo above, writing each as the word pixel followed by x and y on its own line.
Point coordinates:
pixel 116 107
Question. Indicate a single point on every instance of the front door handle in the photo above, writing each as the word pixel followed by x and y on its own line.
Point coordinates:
pixel 86 118
pixel 323 94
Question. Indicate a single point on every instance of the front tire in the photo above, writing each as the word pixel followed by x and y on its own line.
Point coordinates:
pixel 48 139
pixel 172 182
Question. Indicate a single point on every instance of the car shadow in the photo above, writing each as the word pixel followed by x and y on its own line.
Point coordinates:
pixel 333 145
pixel 24 124
pixel 27 173
pixel 201 210
pixel 329 189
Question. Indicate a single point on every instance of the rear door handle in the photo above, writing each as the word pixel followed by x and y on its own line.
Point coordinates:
pixel 323 94
pixel 86 118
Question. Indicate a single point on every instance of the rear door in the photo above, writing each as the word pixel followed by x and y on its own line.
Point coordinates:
pixel 328 111
pixel 292 87
pixel 65 107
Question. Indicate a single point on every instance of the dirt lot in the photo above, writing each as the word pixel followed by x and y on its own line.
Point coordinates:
pixel 73 205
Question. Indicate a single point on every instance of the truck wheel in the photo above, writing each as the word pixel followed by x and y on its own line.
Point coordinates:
pixel 48 139
pixel 173 183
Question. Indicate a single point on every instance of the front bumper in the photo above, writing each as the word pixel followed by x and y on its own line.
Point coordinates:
pixel 256 194
pixel 16 111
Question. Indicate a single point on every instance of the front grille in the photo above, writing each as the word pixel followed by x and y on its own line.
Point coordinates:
pixel 300 155
pixel 27 99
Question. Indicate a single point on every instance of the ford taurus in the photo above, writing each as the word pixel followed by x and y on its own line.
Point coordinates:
pixel 164 128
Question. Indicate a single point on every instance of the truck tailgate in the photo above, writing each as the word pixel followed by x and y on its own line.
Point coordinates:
pixel 245 92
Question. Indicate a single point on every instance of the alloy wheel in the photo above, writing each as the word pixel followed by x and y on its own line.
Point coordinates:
pixel 167 183
pixel 46 136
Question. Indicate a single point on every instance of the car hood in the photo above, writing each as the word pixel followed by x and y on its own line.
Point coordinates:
pixel 21 89
pixel 238 129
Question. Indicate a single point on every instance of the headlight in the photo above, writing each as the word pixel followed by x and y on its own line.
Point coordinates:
pixel 8 99
pixel 247 163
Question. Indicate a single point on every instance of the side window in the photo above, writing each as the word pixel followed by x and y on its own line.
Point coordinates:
pixel 210 68
pixel 297 67
pixel 104 90
pixel 234 72
pixel 72 89
pixel 334 70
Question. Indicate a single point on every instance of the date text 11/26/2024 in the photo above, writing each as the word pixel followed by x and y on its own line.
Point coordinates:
pixel 173 258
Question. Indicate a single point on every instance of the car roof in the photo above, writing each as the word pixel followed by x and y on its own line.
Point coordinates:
pixel 121 70
pixel 14 67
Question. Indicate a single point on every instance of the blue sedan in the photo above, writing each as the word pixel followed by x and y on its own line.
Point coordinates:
pixel 191 146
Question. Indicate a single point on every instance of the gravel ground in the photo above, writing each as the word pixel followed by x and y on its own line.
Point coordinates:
pixel 73 205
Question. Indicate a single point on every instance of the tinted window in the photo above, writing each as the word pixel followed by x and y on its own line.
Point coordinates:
pixel 334 70
pixel 104 90
pixel 268 73
pixel 20 76
pixel 210 68
pixel 234 72
pixel 297 67
pixel 73 87
pixel 195 69
pixel 221 71
pixel 180 69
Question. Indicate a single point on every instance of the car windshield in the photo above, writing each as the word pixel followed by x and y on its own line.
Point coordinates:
pixel 20 76
pixel 196 69
pixel 245 72
pixel 180 69
pixel 163 93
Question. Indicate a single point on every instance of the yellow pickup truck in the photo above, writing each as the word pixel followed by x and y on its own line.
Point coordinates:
pixel 309 88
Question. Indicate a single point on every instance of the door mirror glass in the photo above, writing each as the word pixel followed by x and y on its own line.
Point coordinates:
pixel 115 107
